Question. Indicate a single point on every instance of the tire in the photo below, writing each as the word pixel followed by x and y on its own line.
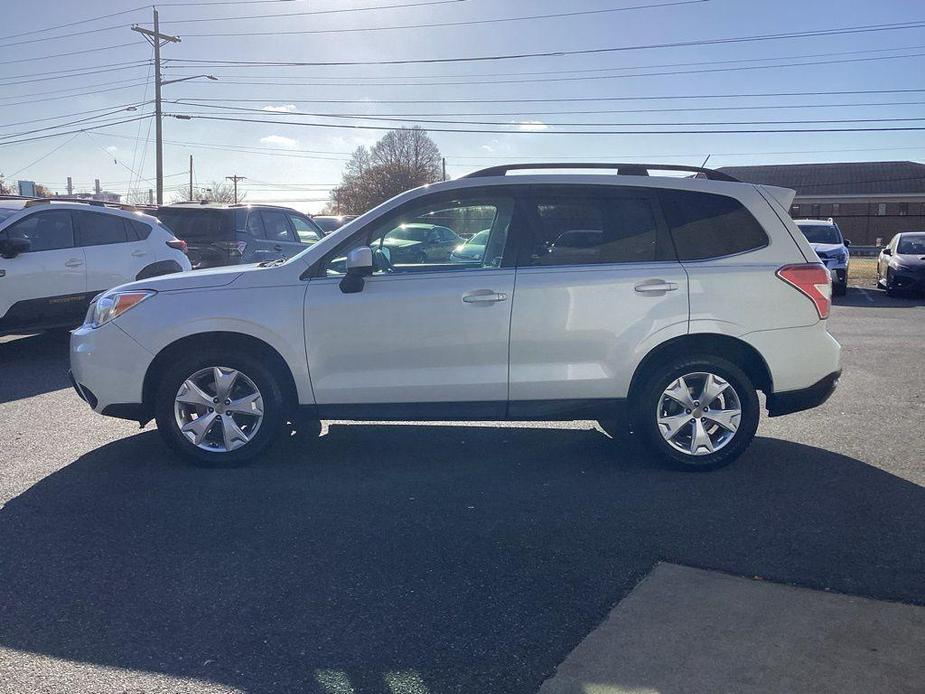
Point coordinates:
pixel 255 433
pixel 653 402
pixel 888 284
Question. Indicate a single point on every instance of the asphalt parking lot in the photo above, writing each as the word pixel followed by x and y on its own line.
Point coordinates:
pixel 424 558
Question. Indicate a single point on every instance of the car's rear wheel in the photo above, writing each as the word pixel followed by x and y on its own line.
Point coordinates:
pixel 219 409
pixel 697 413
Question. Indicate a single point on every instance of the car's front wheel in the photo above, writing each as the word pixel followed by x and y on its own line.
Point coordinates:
pixel 698 413
pixel 218 408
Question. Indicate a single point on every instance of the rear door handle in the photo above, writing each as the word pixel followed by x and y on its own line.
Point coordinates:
pixel 484 296
pixel 653 286
pixel 277 247
pixel 73 262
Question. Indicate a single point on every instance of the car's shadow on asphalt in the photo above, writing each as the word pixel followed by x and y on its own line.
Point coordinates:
pixel 33 365
pixel 874 297
pixel 465 559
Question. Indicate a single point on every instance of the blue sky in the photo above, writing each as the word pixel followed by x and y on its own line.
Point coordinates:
pixel 287 163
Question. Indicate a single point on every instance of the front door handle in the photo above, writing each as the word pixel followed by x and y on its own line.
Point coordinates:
pixel 138 254
pixel 484 296
pixel 73 262
pixel 654 286
pixel 277 247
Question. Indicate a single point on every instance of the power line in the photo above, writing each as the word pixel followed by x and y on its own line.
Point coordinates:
pixel 74 72
pixel 691 109
pixel 307 13
pixel 238 109
pixel 350 126
pixel 68 115
pixel 44 156
pixel 581 99
pixel 433 25
pixel 583 78
pixel 69 132
pixel 495 73
pixel 69 96
pixel 75 23
pixel 865 28
pixel 69 53
pixel 61 125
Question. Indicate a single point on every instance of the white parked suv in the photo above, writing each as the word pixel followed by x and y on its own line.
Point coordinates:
pixel 679 299
pixel 832 248
pixel 56 256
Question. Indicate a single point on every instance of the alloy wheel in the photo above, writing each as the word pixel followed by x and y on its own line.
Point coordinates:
pixel 699 413
pixel 218 409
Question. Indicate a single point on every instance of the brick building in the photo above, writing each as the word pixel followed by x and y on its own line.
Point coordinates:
pixel 869 200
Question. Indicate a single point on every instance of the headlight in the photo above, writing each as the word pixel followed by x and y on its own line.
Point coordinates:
pixel 114 304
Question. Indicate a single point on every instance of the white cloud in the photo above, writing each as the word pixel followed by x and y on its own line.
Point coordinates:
pixel 283 108
pixel 531 125
pixel 280 141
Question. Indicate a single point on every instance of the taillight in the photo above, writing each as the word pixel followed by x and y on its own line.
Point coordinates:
pixel 813 281
pixel 179 244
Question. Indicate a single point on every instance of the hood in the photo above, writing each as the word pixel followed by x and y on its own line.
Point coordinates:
pixel 827 247
pixel 195 279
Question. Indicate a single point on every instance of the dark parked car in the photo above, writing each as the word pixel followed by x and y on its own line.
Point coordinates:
pixel 329 223
pixel 234 234
pixel 420 243
pixel 901 265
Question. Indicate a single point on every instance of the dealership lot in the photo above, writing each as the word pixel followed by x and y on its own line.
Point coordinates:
pixel 423 557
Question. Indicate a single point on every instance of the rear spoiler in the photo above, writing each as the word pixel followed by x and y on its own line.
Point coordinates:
pixel 783 196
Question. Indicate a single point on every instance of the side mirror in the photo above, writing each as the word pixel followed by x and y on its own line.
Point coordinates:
pixel 887 251
pixel 10 248
pixel 847 243
pixel 359 265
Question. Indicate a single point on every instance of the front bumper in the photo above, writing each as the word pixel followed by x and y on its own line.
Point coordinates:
pixel 792 401
pixel 907 281
pixel 107 364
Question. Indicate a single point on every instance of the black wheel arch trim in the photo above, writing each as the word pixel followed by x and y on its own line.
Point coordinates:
pixel 790 401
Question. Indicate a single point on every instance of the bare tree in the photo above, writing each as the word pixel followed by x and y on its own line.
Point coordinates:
pixel 403 159
pixel 218 191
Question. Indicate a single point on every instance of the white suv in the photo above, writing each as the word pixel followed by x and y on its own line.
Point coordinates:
pixel 56 256
pixel 659 305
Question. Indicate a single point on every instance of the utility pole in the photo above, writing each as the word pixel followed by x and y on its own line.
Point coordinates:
pixel 236 178
pixel 191 178
pixel 157 39
pixel 444 168
pixel 70 186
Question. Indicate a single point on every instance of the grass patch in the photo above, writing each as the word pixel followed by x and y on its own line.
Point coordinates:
pixel 862 270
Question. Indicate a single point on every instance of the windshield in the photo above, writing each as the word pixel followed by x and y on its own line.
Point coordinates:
pixel 821 233
pixel 911 244
pixel 409 233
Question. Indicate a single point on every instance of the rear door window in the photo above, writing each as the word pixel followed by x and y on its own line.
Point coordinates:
pixel 95 229
pixel 590 227
pixel 277 226
pixel 707 225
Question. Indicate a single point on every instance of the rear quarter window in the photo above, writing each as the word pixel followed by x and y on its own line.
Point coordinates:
pixel 197 225
pixel 707 225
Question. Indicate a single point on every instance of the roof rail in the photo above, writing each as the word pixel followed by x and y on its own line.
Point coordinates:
pixel 95 203
pixel 622 169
